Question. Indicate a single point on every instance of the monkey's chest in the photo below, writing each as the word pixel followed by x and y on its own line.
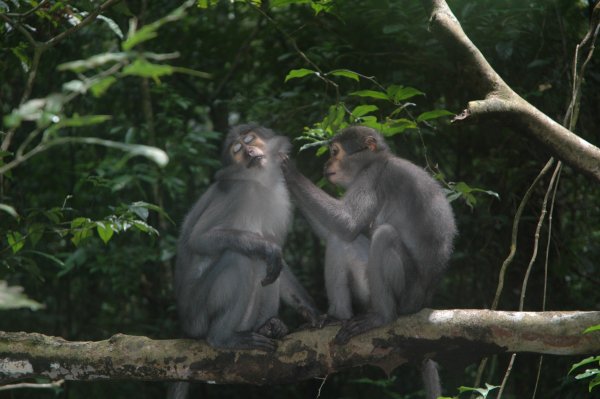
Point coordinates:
pixel 265 211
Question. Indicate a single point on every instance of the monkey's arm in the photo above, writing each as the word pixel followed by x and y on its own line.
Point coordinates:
pixel 345 219
pixel 294 295
pixel 217 240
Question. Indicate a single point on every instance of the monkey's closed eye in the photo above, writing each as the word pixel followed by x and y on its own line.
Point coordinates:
pixel 236 147
pixel 248 139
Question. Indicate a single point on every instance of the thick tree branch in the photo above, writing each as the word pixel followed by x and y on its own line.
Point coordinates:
pixel 445 335
pixel 499 100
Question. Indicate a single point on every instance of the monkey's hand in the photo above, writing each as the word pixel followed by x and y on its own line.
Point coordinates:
pixel 273 328
pixel 288 166
pixel 274 260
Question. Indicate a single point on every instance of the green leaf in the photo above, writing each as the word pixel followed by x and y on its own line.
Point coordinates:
pixel 394 127
pixel 145 69
pixel 322 150
pixel 146 33
pixel 105 231
pixel 15 240
pixel 592 328
pixel 81 229
pixel 9 209
pixel 152 207
pixel 149 31
pixel 93 62
pixel 345 73
pixel 155 154
pixel 144 227
pixel 87 120
pixel 399 93
pixel 584 362
pixel 112 25
pixel 363 110
pixel 371 93
pixel 482 391
pixel 281 3
pixel 207 3
pixel 100 87
pixel 425 116
pixel 299 73
pixel 13 298
pixel 47 256
pixel 35 233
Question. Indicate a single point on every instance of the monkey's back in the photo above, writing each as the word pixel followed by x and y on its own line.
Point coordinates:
pixel 419 209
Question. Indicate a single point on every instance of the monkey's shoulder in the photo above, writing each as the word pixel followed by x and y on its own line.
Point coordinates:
pixel 400 172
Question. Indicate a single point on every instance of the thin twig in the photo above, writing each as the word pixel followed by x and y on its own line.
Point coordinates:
pixel 28 13
pixel 324 379
pixel 84 22
pixel 54 384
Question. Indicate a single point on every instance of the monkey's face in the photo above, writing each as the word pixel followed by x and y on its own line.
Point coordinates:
pixel 249 150
pixel 334 170
pixel 347 159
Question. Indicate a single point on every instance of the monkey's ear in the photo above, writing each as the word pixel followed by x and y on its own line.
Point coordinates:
pixel 371 143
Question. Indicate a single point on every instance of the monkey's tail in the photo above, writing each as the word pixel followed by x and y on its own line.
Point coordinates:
pixel 431 379
pixel 178 390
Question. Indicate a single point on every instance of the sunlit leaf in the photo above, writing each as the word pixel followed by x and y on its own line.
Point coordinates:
pixel 101 86
pixel 15 240
pixel 363 110
pixel 299 73
pixel 371 93
pixel 147 69
pixel 149 31
pixel 592 328
pixel 400 93
pixel 425 116
pixel 155 154
pixel 93 62
pixel 112 25
pixel 9 209
pixel 585 362
pixel 12 297
pixel 105 231
pixel 345 73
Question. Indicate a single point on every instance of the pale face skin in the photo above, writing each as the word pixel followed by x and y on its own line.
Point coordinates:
pixel 249 150
pixel 334 170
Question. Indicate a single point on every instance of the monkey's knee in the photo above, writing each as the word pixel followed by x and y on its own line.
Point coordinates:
pixel 384 237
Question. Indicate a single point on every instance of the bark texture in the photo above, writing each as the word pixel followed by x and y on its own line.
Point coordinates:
pixel 497 99
pixel 456 336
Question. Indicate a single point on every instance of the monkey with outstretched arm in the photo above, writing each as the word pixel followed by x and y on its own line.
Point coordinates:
pixel 388 238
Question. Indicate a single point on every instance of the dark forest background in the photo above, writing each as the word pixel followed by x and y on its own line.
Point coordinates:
pixel 89 230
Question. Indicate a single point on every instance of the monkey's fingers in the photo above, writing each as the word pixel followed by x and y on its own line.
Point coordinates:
pixel 327 320
pixel 274 328
pixel 356 326
pixel 273 271
pixel 258 341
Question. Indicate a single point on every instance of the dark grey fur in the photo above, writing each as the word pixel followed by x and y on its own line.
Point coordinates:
pixel 388 238
pixel 229 254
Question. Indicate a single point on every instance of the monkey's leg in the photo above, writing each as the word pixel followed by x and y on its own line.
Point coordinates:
pixel 337 282
pixel 386 275
pixel 234 304
pixel 431 379
pixel 294 294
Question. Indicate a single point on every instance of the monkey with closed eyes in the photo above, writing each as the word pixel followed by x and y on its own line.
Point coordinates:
pixel 388 238
pixel 227 281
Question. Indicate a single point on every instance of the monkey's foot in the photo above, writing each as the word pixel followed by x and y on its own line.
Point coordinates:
pixel 358 325
pixel 274 328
